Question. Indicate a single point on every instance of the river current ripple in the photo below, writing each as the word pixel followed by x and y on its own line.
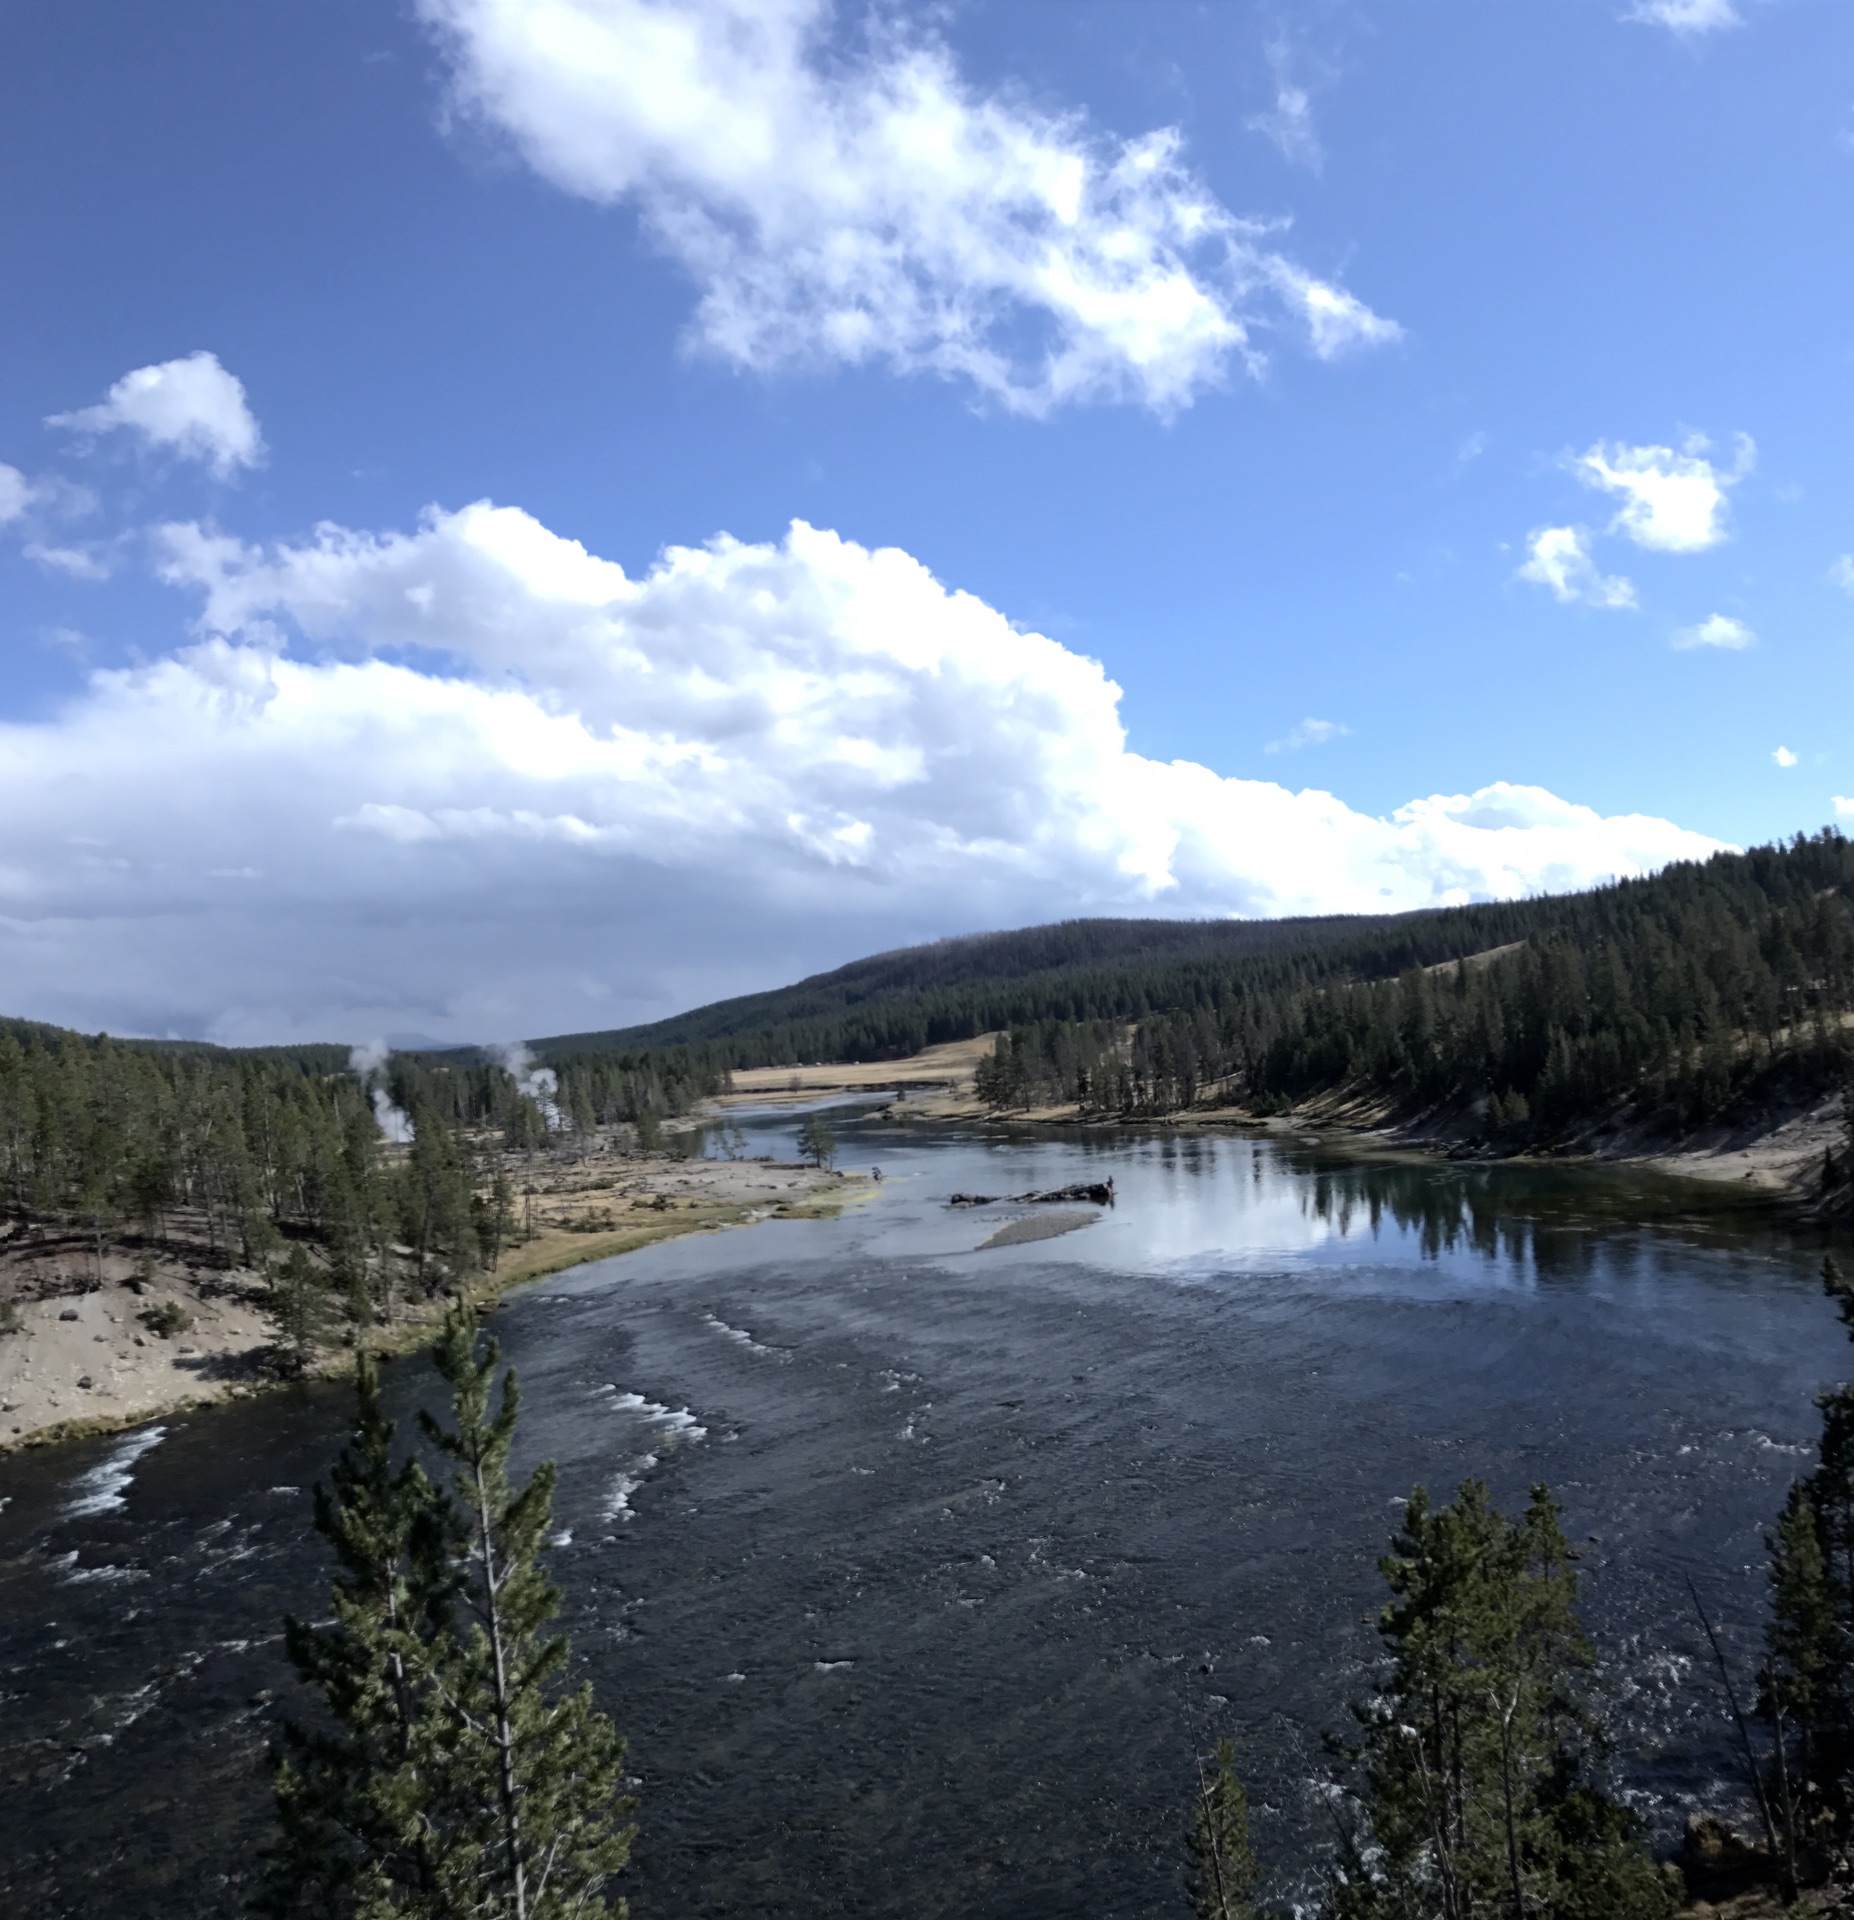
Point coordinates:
pixel 916 1575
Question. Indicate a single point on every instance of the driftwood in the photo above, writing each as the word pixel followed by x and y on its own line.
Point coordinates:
pixel 1097 1193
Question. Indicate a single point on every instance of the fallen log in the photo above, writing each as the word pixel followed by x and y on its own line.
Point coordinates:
pixel 1097 1193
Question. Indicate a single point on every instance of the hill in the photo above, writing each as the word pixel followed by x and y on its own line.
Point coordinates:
pixel 1673 996
pixel 894 1004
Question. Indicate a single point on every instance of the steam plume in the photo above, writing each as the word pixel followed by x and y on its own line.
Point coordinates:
pixel 540 1084
pixel 369 1062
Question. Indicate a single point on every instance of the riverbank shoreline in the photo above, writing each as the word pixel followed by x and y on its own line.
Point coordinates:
pixel 93 1360
pixel 1778 1155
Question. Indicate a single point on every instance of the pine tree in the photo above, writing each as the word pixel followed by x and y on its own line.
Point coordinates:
pixel 435 1195
pixel 537 1772
pixel 358 1804
pixel 300 1303
pixel 1806 1684
pixel 1477 1753
pixel 1222 1862
pixel 817 1142
pixel 454 1778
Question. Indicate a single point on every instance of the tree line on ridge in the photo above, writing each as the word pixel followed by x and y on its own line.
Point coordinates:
pixel 1676 994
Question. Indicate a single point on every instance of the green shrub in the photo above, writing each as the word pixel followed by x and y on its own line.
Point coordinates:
pixel 167 1319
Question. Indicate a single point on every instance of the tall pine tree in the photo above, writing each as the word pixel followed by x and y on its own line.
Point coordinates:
pixel 359 1798
pixel 453 1777
pixel 1222 1861
pixel 537 1772
pixel 1806 1685
pixel 1477 1754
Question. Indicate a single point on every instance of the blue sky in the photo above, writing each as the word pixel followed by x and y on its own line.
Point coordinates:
pixel 1471 380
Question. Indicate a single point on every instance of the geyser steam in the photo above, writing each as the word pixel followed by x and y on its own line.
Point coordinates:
pixel 369 1062
pixel 540 1084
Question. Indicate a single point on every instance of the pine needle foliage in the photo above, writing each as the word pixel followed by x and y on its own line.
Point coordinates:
pixel 303 1304
pixel 1806 1684
pixel 1478 1755
pixel 817 1141
pixel 539 1771
pixel 1223 1870
pixel 453 1776
pixel 357 1798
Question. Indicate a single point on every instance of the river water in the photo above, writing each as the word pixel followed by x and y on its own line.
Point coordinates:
pixel 917 1574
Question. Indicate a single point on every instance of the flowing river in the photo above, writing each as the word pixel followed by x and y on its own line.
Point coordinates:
pixel 916 1574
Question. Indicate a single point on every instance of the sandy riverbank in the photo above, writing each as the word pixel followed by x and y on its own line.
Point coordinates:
pixel 88 1354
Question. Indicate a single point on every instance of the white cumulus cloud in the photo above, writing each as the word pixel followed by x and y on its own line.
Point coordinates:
pixel 617 796
pixel 191 407
pixel 1784 757
pixel 1558 558
pixel 1716 630
pixel 1672 502
pixel 1686 16
pixel 875 207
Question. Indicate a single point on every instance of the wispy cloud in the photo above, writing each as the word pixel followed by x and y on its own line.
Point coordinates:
pixel 1309 733
pixel 87 562
pixel 1716 630
pixel 1289 122
pixel 1558 558
pixel 15 493
pixel 1686 16
pixel 884 210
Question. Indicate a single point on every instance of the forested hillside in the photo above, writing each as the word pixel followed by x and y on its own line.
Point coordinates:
pixel 1674 993
pixel 895 1004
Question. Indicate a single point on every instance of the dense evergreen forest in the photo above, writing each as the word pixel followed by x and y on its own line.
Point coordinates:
pixel 292 1162
pixel 1677 992
pixel 894 1004
pixel 1673 996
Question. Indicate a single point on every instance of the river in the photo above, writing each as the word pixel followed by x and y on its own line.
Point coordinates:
pixel 917 1574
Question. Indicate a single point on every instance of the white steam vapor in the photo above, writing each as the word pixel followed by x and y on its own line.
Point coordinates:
pixel 540 1084
pixel 369 1062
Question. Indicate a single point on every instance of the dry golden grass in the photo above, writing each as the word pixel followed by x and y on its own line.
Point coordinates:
pixel 951 1065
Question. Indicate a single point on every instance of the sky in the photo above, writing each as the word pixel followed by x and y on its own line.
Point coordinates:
pixel 522 516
